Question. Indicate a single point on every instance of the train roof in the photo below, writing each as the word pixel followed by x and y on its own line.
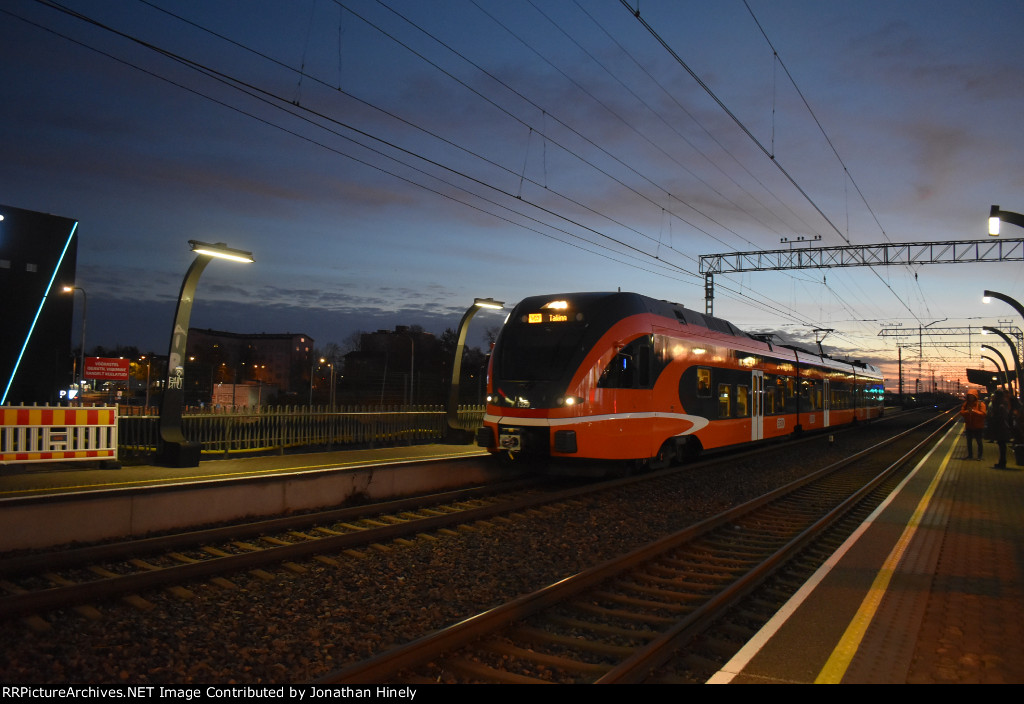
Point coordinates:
pixel 622 303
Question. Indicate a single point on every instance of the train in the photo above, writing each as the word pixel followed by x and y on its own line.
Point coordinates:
pixel 623 377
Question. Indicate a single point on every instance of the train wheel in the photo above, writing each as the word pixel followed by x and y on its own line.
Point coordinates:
pixel 690 450
pixel 666 456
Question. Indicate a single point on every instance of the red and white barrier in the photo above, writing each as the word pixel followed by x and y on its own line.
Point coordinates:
pixel 47 434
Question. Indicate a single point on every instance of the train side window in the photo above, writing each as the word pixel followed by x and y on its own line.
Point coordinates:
pixel 630 368
pixel 643 369
pixel 807 394
pixel 769 400
pixel 724 401
pixel 742 405
pixel 703 382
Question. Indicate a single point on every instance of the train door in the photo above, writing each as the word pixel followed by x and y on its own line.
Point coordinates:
pixel 757 406
pixel 826 401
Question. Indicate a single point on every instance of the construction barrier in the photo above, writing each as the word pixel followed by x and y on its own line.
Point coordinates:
pixel 48 434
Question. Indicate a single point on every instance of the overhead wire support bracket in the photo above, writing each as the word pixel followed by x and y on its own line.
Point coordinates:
pixel 948 252
pixel 888 254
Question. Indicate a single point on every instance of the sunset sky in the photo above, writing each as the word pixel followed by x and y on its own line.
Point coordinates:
pixel 386 162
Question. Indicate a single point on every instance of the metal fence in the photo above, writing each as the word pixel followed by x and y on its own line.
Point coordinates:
pixel 281 427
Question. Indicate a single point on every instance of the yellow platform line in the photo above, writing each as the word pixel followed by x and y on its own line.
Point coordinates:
pixel 839 661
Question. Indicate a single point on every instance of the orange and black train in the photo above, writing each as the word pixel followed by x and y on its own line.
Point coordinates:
pixel 620 376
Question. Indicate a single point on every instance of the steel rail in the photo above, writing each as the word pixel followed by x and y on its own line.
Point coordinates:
pixel 642 663
pixel 62 559
pixel 421 650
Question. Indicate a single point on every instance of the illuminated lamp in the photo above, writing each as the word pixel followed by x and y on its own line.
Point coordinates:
pixel 221 251
pixel 995 215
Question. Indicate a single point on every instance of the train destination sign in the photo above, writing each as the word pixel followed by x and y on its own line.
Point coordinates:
pixel 547 318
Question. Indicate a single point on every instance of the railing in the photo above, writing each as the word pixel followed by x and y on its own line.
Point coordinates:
pixel 281 427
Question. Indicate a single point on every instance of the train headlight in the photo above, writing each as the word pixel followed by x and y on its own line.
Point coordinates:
pixel 570 400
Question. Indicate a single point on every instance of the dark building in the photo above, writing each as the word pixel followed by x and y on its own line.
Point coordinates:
pixel 280 360
pixel 395 367
pixel 37 260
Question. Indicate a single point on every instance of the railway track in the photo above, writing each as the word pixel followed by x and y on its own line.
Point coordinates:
pixel 35 583
pixel 41 581
pixel 621 621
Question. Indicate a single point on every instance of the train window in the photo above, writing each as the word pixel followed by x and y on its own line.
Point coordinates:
pixel 539 352
pixel 665 350
pixel 630 368
pixel 742 405
pixel 703 382
pixel 769 400
pixel 724 401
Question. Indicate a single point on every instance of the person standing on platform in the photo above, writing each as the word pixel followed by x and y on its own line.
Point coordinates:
pixel 973 413
pixel 999 422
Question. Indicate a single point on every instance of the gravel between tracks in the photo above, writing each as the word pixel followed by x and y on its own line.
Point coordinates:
pixel 299 626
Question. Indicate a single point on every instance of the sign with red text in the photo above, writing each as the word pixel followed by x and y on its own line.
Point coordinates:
pixel 106 368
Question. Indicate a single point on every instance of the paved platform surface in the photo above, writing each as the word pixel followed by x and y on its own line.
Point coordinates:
pixel 38 479
pixel 931 590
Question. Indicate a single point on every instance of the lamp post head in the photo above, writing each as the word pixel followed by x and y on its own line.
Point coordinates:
pixel 996 215
pixel 488 303
pixel 221 251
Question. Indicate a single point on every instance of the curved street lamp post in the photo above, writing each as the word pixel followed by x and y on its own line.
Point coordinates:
pixel 453 394
pixel 174 450
pixel 987 296
pixel 1013 355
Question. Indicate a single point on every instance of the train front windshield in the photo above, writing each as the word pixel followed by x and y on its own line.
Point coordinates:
pixel 532 352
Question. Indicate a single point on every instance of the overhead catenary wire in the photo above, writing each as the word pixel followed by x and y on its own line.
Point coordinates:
pixel 654 261
pixel 739 123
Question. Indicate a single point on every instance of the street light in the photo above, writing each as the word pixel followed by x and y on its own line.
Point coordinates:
pixel 149 365
pixel 85 306
pixel 453 394
pixel 220 251
pixel 174 449
pixel 1013 352
pixel 330 392
pixel 995 215
pixel 987 296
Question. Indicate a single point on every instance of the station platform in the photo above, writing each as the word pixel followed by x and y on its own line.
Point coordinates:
pixel 929 590
pixel 55 478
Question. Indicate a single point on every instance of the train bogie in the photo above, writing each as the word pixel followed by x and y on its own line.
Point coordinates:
pixel 619 376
